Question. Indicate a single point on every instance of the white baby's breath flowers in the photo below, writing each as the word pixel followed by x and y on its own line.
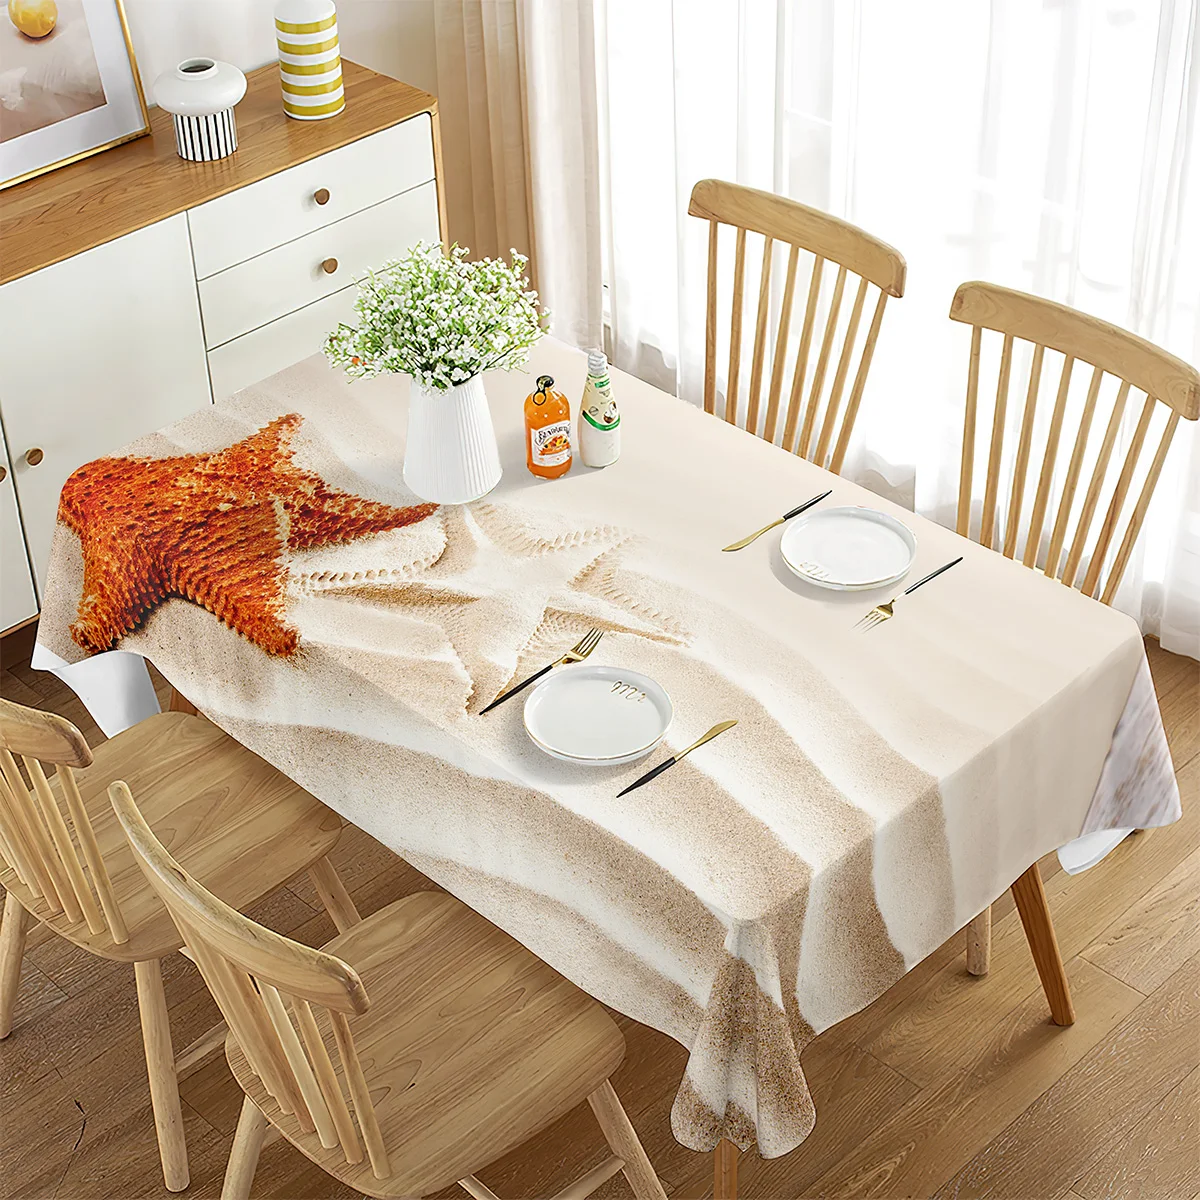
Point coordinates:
pixel 439 318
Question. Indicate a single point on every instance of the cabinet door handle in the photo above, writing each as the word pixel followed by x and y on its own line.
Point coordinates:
pixel 329 266
pixel 3 474
pixel 34 456
pixel 321 195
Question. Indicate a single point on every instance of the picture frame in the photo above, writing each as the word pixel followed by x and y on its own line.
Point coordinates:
pixel 69 84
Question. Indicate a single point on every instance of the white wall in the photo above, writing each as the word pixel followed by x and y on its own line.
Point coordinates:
pixel 394 37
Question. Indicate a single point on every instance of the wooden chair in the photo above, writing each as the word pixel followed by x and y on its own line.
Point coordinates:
pixel 235 821
pixel 452 1041
pixel 1061 535
pixel 830 240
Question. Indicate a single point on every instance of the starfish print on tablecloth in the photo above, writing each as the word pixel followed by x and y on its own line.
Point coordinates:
pixel 509 583
pixel 213 528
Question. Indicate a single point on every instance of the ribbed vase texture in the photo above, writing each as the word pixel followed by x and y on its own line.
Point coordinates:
pixel 450 455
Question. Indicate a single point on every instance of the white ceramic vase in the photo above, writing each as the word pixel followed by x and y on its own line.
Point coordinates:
pixel 200 95
pixel 450 455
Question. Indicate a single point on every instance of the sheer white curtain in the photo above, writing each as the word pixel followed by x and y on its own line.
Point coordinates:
pixel 1049 147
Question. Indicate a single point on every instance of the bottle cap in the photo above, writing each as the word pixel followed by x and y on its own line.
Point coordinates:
pixel 597 362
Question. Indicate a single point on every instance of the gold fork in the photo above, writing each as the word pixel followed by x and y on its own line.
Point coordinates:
pixel 883 612
pixel 577 653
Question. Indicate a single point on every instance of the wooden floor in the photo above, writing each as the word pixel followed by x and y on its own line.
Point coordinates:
pixel 947 1086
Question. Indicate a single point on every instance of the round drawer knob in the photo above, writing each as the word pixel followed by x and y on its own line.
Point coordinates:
pixel 321 195
pixel 329 266
pixel 3 474
pixel 34 456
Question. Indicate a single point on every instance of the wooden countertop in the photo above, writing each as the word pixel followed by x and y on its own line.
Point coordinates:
pixel 64 212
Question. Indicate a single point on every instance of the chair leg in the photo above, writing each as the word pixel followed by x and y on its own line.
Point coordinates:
pixel 333 895
pixel 1030 896
pixel 12 950
pixel 979 943
pixel 243 1155
pixel 160 1067
pixel 725 1170
pixel 623 1140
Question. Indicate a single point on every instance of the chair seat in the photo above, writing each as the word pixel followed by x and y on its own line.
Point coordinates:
pixel 471 1045
pixel 229 818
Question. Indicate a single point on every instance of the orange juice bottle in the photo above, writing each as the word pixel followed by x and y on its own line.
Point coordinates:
pixel 547 431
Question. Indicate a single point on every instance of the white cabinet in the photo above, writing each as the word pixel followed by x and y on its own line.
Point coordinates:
pixel 126 336
pixel 97 350
pixel 17 601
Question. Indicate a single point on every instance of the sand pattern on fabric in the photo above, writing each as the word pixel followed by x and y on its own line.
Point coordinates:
pixel 877 791
pixel 1138 765
pixel 502 585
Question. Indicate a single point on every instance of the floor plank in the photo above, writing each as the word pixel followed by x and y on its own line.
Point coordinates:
pixel 1092 1107
pixel 1156 935
pixel 1177 684
pixel 913 1039
pixel 1160 1159
pixel 37 994
pixel 946 1084
pixel 945 1124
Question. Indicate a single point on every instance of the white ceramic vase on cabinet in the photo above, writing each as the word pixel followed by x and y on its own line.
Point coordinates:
pixel 450 455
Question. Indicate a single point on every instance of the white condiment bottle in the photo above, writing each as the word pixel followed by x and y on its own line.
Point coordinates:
pixel 599 420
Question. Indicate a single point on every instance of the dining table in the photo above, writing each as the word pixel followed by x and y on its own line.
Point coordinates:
pixel 881 786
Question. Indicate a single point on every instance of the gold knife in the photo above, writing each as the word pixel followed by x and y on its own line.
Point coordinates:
pixel 787 516
pixel 649 775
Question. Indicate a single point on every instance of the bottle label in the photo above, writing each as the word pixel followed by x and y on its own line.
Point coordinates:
pixel 604 418
pixel 599 408
pixel 551 444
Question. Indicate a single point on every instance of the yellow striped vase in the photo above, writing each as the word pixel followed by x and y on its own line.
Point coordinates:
pixel 310 67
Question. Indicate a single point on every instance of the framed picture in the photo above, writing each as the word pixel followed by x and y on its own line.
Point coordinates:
pixel 69 84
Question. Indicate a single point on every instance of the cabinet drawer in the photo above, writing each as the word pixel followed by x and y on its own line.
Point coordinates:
pixel 254 356
pixel 235 301
pixel 266 214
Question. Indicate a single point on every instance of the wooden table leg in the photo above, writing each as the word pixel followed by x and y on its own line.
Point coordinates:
pixel 180 703
pixel 725 1170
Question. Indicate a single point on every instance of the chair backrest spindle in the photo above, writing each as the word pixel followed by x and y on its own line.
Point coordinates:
pixel 1041 498
pixel 1171 387
pixel 815 423
pixel 814 396
pixel 255 975
pixel 987 529
pixel 56 857
pixel 781 342
pixel 843 368
pixel 735 325
pixel 710 324
pixel 760 333
pixel 800 372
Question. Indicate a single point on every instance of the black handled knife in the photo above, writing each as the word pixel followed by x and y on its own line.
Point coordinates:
pixel 655 771
pixel 787 516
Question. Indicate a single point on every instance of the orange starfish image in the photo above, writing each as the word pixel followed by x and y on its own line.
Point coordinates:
pixel 210 528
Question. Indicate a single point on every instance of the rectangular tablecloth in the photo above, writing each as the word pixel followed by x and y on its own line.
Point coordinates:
pixel 879 790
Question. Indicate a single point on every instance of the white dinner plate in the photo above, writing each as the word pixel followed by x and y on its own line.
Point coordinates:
pixel 849 549
pixel 599 715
